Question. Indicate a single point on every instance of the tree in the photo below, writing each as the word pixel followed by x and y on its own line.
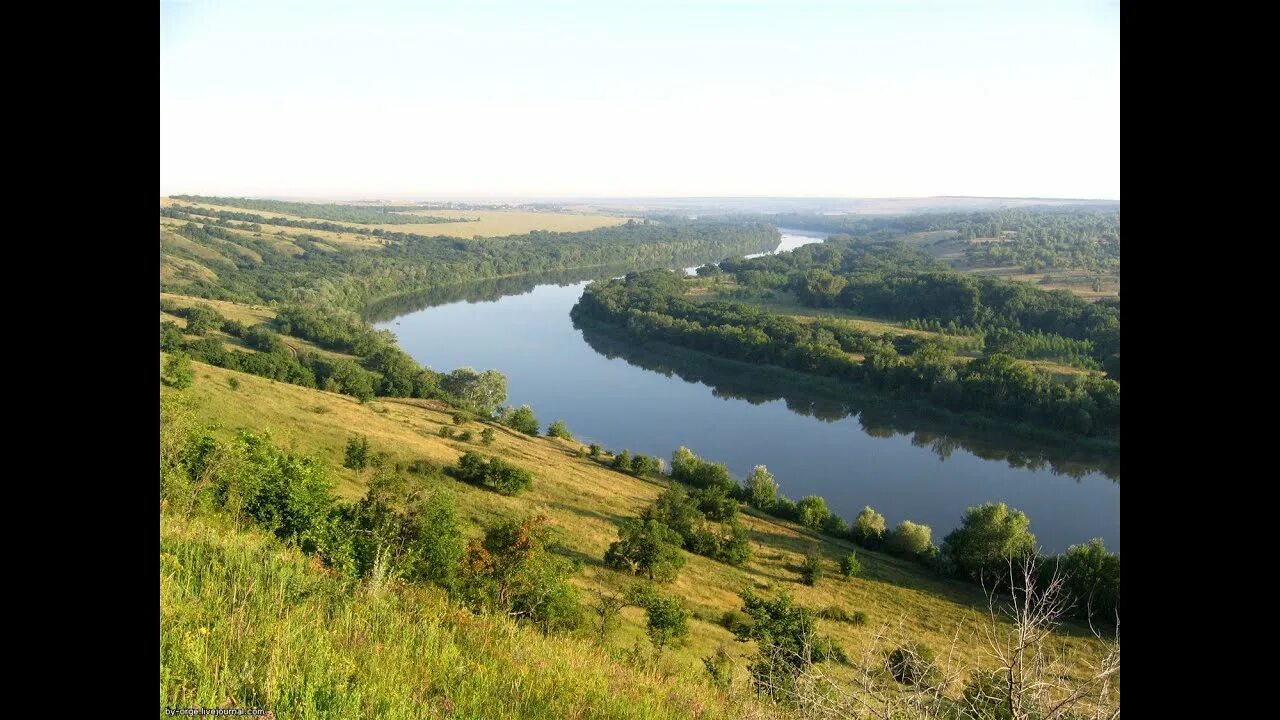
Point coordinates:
pixel 910 539
pixel 494 473
pixel 622 461
pixel 868 528
pixel 558 429
pixel 358 455
pixel 178 372
pixel 513 572
pixel 683 464
pixel 850 566
pixel 813 511
pixel 761 489
pixel 646 546
pixel 811 570
pixel 521 419
pixel 667 618
pixel 479 392
pixel 786 642
pixel 607 607
pixel 988 537
pixel 643 465
pixel 1092 580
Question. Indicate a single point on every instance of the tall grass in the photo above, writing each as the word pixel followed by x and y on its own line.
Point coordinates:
pixel 246 622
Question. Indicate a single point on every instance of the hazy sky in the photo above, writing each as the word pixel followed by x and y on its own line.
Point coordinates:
pixel 536 99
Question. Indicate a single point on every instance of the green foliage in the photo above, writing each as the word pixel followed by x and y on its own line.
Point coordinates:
pixel 643 465
pixel 465 436
pixel 622 461
pixel 812 570
pixel 761 488
pixel 667 620
pixel 1092 580
pixel 813 511
pixel 989 537
pixel 233 383
pixel 461 417
pixel 488 435
pixel 558 429
pixel 178 372
pixel 786 643
pixel 868 528
pixel 910 539
pixel 646 546
pixel 358 455
pixel 914 664
pixel 836 613
pixel 719 666
pixel 594 451
pixel 493 473
pixel 445 431
pixel 482 393
pixel 512 571
pixel 850 566
pixel 716 504
pixel 521 419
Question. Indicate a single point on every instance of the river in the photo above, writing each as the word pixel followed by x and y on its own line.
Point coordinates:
pixel 850 452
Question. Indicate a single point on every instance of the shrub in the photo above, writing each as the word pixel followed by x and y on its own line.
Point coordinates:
pixel 521 419
pixel 558 429
pixel 622 461
pixel 868 528
pixel 813 511
pixel 358 455
pixel 989 536
pixel 643 465
pixel 731 620
pixel 761 488
pixel 913 664
pixel 487 436
pixel 850 566
pixel 233 383
pixel 494 473
pixel 465 436
pixel 178 372
pixel 594 451
pixel 646 546
pixel 423 467
pixel 910 539
pixel 461 418
pixel 446 431
pixel 811 570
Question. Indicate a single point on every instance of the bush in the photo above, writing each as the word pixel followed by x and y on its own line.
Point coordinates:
pixel 358 455
pixel 558 429
pixel 461 418
pixel 868 528
pixel 913 664
pixel 643 465
pixel 622 461
pixel 423 467
pixel 988 537
pixel 446 431
pixel 646 546
pixel 761 488
pixel 811 570
pixel 465 436
pixel 785 508
pixel 178 372
pixel 668 620
pixel 233 383
pixel 487 436
pixel 494 473
pixel 838 614
pixel 910 539
pixel 731 620
pixel 813 511
pixel 594 451
pixel 521 419
pixel 850 566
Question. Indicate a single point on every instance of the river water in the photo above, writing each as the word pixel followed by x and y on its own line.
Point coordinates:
pixel 852 452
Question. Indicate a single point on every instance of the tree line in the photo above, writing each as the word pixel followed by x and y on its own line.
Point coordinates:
pixel 648 306
pixel 360 214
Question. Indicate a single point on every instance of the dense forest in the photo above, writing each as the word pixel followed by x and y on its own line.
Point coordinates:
pixel 885 280
pixel 359 214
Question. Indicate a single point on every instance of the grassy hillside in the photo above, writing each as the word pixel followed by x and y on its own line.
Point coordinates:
pixel 247 623
pixel 586 502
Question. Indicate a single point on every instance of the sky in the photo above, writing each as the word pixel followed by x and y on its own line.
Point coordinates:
pixel 533 99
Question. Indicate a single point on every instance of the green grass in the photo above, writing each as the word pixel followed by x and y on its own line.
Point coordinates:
pixel 246 623
pixel 587 502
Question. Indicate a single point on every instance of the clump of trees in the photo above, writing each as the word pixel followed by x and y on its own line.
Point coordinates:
pixel 521 419
pixel 493 473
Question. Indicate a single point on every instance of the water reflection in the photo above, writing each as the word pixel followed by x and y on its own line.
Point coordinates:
pixel 830 402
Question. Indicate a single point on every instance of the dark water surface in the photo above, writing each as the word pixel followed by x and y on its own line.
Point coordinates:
pixel 652 400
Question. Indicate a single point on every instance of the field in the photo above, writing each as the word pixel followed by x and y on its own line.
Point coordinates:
pixel 587 501
pixel 492 223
